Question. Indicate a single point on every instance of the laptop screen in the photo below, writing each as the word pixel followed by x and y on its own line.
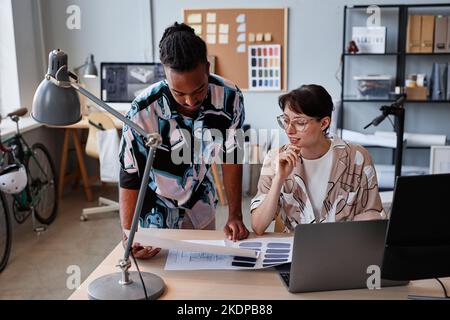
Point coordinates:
pixel 418 237
pixel 420 211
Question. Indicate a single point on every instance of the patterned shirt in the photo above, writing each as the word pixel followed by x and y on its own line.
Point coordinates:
pixel 176 186
pixel 351 189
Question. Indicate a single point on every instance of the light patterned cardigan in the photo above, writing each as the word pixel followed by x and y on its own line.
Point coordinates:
pixel 352 188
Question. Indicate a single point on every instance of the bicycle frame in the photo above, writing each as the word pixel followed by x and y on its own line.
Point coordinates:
pixel 22 152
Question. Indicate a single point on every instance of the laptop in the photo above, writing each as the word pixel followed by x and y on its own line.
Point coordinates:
pixel 335 256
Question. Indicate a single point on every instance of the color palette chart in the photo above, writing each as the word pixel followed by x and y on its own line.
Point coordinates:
pixel 264 63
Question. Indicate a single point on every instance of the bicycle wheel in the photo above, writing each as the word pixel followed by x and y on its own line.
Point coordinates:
pixel 42 184
pixel 5 233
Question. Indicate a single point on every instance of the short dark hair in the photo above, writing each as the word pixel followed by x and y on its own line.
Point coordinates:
pixel 311 99
pixel 181 49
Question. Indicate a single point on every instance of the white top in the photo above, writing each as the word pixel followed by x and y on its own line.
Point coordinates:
pixel 317 173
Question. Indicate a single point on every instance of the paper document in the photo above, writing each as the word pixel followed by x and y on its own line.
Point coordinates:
pixel 274 251
pixel 368 139
pixel 416 139
pixel 144 238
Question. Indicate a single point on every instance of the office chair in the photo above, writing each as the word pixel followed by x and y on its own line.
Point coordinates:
pixel 98 121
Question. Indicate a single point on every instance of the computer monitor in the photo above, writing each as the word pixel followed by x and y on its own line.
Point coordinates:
pixel 123 82
pixel 418 236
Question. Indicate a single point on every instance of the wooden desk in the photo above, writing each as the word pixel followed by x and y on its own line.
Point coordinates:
pixel 72 131
pixel 231 284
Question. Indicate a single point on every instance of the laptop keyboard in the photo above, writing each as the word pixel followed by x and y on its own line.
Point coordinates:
pixel 285 276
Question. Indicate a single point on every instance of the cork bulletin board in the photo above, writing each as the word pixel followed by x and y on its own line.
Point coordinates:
pixel 249 45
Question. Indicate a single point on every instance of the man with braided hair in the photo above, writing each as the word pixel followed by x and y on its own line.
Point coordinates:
pixel 182 108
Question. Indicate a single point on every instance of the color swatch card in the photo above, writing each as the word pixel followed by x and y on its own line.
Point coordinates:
pixel 264 66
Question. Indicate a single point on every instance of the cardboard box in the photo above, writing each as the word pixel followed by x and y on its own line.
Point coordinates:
pixel 416 93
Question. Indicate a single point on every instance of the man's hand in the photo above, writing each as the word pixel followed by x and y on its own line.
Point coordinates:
pixel 139 251
pixel 235 229
pixel 232 181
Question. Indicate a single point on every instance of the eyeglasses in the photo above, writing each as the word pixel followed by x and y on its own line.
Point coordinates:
pixel 299 125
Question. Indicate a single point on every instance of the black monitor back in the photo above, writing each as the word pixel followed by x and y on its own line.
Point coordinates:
pixel 418 236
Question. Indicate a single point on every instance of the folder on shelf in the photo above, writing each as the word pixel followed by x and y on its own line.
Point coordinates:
pixel 440 34
pixel 427 34
pixel 447 95
pixel 413 34
pixel 448 34
pixel 438 81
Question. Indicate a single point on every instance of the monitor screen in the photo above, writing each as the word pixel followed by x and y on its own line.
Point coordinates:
pixel 418 236
pixel 123 82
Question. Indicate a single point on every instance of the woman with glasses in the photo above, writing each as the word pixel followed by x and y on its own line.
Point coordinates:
pixel 315 178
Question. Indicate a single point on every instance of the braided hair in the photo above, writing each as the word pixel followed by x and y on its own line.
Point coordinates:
pixel 181 49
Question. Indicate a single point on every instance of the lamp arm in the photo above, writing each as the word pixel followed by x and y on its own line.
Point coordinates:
pixel 152 141
pixel 140 201
pixel 111 110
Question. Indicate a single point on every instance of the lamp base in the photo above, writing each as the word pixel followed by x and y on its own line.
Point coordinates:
pixel 108 287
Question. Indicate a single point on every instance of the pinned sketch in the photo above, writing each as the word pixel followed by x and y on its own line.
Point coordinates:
pixel 211 38
pixel 251 37
pixel 241 48
pixel 223 28
pixel 273 251
pixel 259 37
pixel 223 38
pixel 241 37
pixel 240 18
pixel 194 18
pixel 211 28
pixel 264 63
pixel 211 17
pixel 267 37
pixel 197 29
pixel 241 27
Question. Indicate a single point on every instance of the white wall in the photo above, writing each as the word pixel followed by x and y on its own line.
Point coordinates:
pixel 314 49
pixel 117 30
pixel 9 80
pixel 28 49
pixel 314 45
pixel 113 30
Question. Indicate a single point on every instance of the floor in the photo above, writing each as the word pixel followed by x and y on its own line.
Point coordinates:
pixel 40 265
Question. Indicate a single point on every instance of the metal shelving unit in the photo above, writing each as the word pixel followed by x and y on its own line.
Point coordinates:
pixel 397 50
pixel 400 54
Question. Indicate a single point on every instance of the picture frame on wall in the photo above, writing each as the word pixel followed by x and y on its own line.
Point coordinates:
pixel 370 39
pixel 439 159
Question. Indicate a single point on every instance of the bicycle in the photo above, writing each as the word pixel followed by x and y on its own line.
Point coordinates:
pixel 38 198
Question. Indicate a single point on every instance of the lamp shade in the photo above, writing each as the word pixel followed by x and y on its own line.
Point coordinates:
pixel 90 71
pixel 53 104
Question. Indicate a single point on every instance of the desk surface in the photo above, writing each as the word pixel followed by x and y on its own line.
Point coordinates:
pixel 262 284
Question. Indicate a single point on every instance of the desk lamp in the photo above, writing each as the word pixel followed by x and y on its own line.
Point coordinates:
pixel 90 70
pixel 56 102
